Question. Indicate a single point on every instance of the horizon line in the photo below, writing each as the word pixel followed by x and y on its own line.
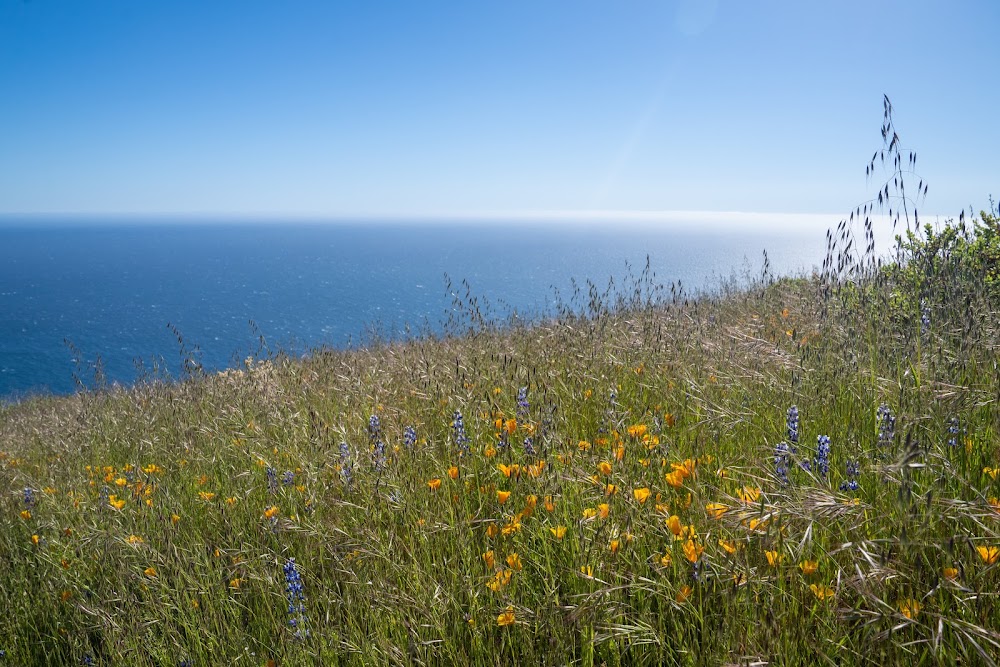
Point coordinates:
pixel 707 220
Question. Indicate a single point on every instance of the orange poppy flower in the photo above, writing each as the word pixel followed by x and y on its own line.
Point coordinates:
pixel 641 495
pixel 506 618
pixel 989 554
pixel 692 550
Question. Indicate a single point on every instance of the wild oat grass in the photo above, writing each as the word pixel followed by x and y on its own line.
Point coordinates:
pixel 801 471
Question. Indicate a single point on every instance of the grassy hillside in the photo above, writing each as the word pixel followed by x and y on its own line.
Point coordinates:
pixel 799 472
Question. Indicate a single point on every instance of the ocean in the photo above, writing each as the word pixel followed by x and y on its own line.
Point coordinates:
pixel 75 292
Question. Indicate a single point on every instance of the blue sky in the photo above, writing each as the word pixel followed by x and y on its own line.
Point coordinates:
pixel 506 108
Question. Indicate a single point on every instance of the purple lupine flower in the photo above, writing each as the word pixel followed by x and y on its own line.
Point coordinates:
pixel 458 429
pixel 822 459
pixel 296 599
pixel 886 425
pixel 409 437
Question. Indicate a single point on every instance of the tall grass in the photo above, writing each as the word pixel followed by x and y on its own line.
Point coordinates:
pixel 624 483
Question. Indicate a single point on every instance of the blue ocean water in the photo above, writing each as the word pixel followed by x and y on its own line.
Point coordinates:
pixel 112 289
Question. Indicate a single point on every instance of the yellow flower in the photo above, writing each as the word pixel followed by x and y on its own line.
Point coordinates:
pixel 587 571
pixel 686 468
pixel 514 561
pixel 35 539
pixel 992 472
pixel 666 559
pixel 512 470
pixel 589 512
pixel 500 579
pixel 489 452
pixel 506 618
pixel 512 526
pixel 808 567
pixel 492 530
pixel 550 505
pixel 583 445
pixel 502 496
pixel 614 546
pixel 559 532
pixel 674 524
pixel 271 512
pixel 152 469
pixel 536 470
pixel 716 510
pixel 749 494
pixel 692 551
pixel 687 532
pixel 150 571
pixel 821 591
pixel 453 472
pixel 730 547
pixel 683 593
pixel 637 430
pixel 115 502
pixel 604 467
pixel 510 426
pixel 174 518
pixel 207 496
pixel 434 484
pixel 134 539
pixel 641 495
pixel 121 481
pixel 25 514
pixel 489 559
pixel 232 500
pixel 675 479
pixel 910 608
pixel 995 504
pixel 773 558
pixel 610 489
pixel 989 554
pixel 235 583
pixel 604 510
pixel 758 524
pixel 950 573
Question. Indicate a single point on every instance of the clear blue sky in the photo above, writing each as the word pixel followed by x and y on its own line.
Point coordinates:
pixel 432 107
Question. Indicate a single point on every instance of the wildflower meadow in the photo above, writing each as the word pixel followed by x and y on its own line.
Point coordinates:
pixel 789 470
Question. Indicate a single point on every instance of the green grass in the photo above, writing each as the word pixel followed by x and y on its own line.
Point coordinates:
pixel 397 572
